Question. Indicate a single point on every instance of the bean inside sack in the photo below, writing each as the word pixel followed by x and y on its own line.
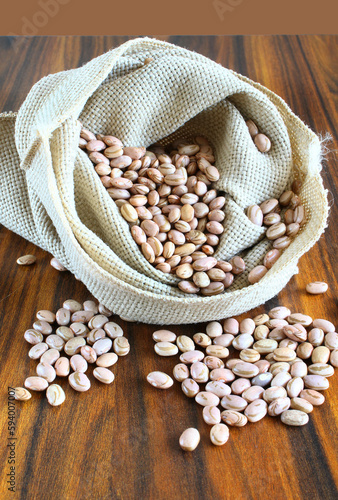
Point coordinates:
pixel 176 216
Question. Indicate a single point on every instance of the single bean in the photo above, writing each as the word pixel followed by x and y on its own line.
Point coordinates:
pixel 189 439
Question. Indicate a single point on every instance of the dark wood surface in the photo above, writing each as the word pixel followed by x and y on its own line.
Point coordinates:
pixel 121 441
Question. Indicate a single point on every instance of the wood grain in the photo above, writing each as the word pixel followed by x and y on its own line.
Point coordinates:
pixel 121 441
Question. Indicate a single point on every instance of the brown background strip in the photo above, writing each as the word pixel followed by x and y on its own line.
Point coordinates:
pixel 150 17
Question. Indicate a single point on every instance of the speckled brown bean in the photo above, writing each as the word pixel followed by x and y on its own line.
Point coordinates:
pixel 211 415
pixel 222 374
pixel 225 340
pixel 199 372
pixel 273 393
pixel 253 130
pixel 45 315
pixel 72 305
pixel 276 231
pixel 55 395
pixel 301 404
pixel 245 370
pixel 331 341
pixel 269 206
pixel 36 383
pixel 202 339
pixel 212 362
pixel 299 215
pixel 46 371
pixel 50 356
pixel 113 330
pixel 294 418
pixel 282 243
pixel 188 287
pixel 316 382
pixel 63 316
pixel 256 410
pixel 37 350
pixel 316 337
pixel 261 332
pixel 304 350
pixel 262 143
pixel 243 341
pixel 21 394
pixel 314 397
pixel 78 363
pixel 231 326
pixel 160 380
pixel 33 337
pixel 234 418
pixel 26 260
pixel 292 229
pixel 279 405
pixel 62 367
pixel 320 354
pixel 334 358
pixel 73 346
pixel 79 381
pixel 238 265
pixel 121 346
pixel 190 388
pixel 43 327
pixel 181 372
pixel 249 355
pixel 219 434
pixel 189 439
pixel 214 329
pixel 317 287
pixel 218 387
pixel 240 385
pixel 255 215
pixel 256 274
pixel 252 393
pixel 271 219
pixel 271 258
pixel 217 350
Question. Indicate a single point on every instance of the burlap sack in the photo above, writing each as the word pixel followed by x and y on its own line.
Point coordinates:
pixel 51 195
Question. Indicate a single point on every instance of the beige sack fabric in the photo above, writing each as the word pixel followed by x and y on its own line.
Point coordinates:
pixel 51 195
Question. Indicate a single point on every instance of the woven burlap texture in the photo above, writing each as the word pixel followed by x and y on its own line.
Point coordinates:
pixel 52 196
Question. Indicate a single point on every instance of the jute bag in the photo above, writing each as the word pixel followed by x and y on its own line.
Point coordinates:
pixel 51 195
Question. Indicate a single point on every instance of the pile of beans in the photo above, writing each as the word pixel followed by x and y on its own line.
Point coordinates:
pixel 176 215
pixel 83 335
pixel 167 198
pixel 285 361
pixel 261 141
pixel 281 226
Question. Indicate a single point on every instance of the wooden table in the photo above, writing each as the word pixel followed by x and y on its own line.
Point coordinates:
pixel 121 441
